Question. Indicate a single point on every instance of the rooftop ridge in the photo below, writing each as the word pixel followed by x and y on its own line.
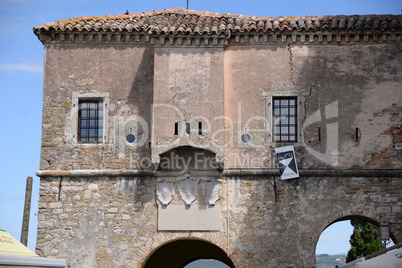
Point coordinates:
pixel 183 22
pixel 205 13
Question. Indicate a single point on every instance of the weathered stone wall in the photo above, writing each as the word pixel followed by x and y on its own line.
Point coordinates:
pixel 188 88
pixel 227 96
pixel 106 222
pixel 363 83
pixel 112 222
pixel 277 224
pixel 125 72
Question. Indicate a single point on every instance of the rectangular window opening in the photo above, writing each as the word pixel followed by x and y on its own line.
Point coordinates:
pixel 188 128
pixel 199 128
pixel 90 121
pixel 285 118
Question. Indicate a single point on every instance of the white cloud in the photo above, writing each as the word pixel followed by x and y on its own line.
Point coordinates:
pixel 27 67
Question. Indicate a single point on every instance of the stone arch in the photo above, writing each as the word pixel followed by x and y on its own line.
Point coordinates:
pixel 197 141
pixel 180 252
pixel 373 220
pixel 188 158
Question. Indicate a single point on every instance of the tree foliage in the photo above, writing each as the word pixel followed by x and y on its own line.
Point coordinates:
pixel 364 240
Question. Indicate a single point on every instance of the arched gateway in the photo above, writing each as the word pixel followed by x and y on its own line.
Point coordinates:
pixel 180 252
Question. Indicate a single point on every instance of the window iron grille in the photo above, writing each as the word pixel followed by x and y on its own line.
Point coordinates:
pixel 90 121
pixel 285 119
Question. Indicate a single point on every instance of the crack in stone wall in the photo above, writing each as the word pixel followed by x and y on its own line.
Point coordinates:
pixel 291 66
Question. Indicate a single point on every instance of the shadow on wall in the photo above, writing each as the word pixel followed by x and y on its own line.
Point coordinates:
pixel 350 75
pixel 141 93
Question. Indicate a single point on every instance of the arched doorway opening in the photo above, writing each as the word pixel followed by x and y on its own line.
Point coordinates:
pixel 333 243
pixel 206 263
pixel 179 253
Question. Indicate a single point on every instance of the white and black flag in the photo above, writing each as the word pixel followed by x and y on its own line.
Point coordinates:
pixel 287 162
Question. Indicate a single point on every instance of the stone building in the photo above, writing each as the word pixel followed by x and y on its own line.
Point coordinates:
pixel 160 129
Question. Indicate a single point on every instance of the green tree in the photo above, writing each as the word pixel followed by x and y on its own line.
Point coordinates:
pixel 364 240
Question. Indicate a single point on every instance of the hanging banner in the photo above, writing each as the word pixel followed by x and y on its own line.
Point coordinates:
pixel 287 162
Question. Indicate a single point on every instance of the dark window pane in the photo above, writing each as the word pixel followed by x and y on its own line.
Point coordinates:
pixel 292 120
pixel 292 111
pixel 292 130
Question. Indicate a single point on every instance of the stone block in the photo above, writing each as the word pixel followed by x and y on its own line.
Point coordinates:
pixel 56 205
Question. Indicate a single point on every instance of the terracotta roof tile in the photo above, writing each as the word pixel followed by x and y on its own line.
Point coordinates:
pixel 174 21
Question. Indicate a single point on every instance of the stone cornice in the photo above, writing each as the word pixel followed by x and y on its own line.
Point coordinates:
pixel 131 38
pixel 233 172
pixel 237 38
pixel 296 37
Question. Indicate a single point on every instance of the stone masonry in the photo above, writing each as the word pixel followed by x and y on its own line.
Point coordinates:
pixel 187 100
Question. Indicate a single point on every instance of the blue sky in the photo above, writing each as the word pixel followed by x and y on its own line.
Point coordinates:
pixel 21 60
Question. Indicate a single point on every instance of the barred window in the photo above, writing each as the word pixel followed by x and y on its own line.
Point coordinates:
pixel 285 119
pixel 90 121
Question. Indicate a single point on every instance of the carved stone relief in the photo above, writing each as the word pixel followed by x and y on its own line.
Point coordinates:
pixel 212 190
pixel 164 191
pixel 188 189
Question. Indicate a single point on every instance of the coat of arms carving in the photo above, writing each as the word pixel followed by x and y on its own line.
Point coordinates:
pixel 212 191
pixel 188 189
pixel 164 191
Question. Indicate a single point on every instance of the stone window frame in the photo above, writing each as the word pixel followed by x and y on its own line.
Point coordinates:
pixel 76 98
pixel 301 96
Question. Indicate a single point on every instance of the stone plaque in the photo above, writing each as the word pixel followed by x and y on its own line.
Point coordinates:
pixel 189 218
